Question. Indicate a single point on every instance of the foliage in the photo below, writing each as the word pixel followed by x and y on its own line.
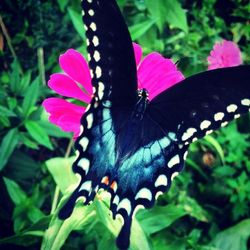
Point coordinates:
pixel 207 207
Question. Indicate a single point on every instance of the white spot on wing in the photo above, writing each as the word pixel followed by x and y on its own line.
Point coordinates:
pixel 161 181
pixel 93 26
pixel 175 160
pixel 205 124
pixel 84 164
pixel 91 12
pixel 101 88
pixel 236 116
pixel 89 119
pixel 144 193
pixel 81 130
pixel 97 56
pixel 86 186
pixel 231 108
pixel 188 133
pixel 219 116
pixel 185 155
pixel 245 102
pixel 116 200
pixel 98 72
pixel 84 143
pixel 174 175
pixel 223 124
pixel 126 204
pixel 158 194
pixel 95 41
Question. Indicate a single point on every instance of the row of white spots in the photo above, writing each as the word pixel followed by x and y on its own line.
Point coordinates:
pixel 217 117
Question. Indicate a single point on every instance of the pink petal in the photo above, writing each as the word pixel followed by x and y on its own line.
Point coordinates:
pixel 224 54
pixel 55 104
pixel 157 74
pixel 138 53
pixel 69 123
pixel 75 65
pixel 65 86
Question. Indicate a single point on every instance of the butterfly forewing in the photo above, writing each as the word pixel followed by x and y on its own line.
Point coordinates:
pixel 202 103
pixel 110 50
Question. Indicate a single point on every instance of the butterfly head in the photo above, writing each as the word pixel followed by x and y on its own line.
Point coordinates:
pixel 143 93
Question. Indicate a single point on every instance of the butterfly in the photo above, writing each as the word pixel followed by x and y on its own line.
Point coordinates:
pixel 133 147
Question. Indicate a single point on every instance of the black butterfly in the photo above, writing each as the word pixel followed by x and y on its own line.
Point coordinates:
pixel 132 147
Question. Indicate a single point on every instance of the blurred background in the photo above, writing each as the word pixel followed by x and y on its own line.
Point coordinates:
pixel 207 207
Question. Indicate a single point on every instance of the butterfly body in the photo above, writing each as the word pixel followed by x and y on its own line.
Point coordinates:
pixel 133 147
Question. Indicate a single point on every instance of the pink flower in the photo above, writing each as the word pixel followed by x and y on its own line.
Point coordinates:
pixel 75 83
pixel 224 54
pixel 155 73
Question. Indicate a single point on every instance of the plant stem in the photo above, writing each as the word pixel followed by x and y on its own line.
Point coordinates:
pixel 57 190
pixel 7 37
pixel 41 68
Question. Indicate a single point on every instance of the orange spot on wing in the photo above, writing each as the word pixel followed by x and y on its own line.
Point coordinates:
pixel 105 180
pixel 113 185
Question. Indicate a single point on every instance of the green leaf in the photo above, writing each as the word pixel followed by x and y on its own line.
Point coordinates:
pixel 6 112
pixel 24 138
pixel 140 29
pixel 8 145
pixel 53 130
pixel 158 218
pixel 233 238
pixel 15 77
pixel 25 81
pixel 62 4
pixel 30 97
pixel 59 230
pixel 168 11
pixel 61 170
pixel 16 194
pixel 38 133
pixel 76 19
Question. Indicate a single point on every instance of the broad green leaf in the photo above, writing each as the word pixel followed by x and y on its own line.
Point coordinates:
pixel 158 218
pixel 59 230
pixel 6 112
pixel 30 97
pixel 76 19
pixel 138 238
pixel 140 29
pixel 233 238
pixel 168 11
pixel 16 194
pixel 38 133
pixel 61 170
pixel 7 146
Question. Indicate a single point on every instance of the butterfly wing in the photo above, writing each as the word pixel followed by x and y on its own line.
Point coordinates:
pixel 110 50
pixel 202 103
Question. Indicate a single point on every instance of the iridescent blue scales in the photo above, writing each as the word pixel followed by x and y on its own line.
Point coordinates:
pixel 129 146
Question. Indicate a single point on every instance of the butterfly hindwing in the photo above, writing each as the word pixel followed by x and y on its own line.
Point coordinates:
pixel 110 50
pixel 203 103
